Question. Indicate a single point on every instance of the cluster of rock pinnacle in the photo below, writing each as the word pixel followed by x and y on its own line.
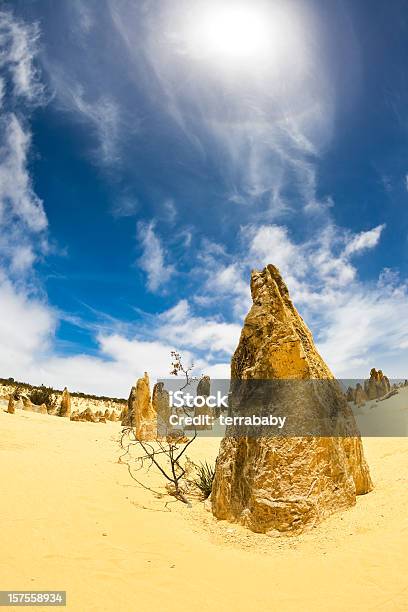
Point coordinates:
pixel 377 387
pixel 62 410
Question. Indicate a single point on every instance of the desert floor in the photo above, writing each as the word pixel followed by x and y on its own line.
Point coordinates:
pixel 72 519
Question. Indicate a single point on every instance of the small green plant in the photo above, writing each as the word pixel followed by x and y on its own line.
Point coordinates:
pixel 205 477
pixel 43 395
pixel 17 392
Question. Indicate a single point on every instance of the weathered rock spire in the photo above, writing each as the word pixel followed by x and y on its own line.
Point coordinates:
pixel 284 484
pixel 140 413
pixel 65 408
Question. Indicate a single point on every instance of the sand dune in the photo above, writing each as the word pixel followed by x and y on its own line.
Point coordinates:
pixel 384 417
pixel 72 519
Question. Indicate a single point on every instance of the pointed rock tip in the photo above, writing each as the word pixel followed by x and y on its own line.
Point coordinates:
pixel 266 276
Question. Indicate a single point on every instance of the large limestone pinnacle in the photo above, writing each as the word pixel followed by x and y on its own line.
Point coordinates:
pixel 285 484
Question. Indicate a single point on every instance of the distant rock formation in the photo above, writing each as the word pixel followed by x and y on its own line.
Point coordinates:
pixel 377 385
pixel 285 484
pixel 124 415
pixel 79 401
pixel 27 405
pixel 87 415
pixel 204 386
pixel 360 396
pixel 140 413
pixel 350 394
pixel 42 409
pixel 375 388
pixel 204 390
pixel 370 386
pixel 65 408
pixel 161 406
pixel 11 407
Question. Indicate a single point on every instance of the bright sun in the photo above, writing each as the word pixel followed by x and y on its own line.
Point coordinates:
pixel 241 34
pixel 233 32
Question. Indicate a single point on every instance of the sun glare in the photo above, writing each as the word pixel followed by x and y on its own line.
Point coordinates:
pixel 242 35
pixel 238 32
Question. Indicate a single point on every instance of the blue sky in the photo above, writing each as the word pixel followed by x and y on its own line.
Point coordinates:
pixel 145 169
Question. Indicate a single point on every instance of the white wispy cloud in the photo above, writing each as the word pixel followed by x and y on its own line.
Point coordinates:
pixel 84 16
pixel 364 240
pixel 327 255
pixel 170 210
pixel 125 206
pixel 363 327
pixel 15 182
pixel 19 44
pixel 185 330
pixel 272 243
pixel 224 281
pixel 101 112
pixel 152 261
pixel 87 90
pixel 104 116
pixel 22 216
pixel 26 326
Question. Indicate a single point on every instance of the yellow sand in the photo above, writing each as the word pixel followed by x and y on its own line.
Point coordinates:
pixel 71 518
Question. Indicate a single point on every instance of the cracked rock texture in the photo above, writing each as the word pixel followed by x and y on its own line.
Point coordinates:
pixel 286 484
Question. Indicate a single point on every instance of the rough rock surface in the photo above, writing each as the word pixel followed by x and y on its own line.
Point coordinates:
pixel 284 484
pixel 140 413
pixel 65 408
